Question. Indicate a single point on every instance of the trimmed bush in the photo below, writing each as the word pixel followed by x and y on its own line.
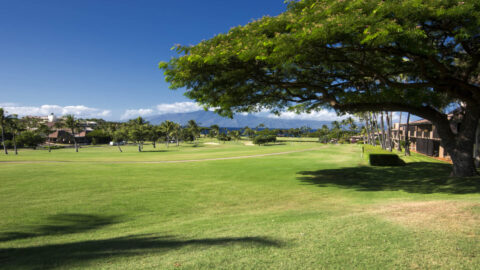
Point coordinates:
pixel 263 139
pixel 385 160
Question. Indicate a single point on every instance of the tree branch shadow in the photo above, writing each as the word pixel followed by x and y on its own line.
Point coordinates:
pixel 55 255
pixel 62 224
pixel 417 177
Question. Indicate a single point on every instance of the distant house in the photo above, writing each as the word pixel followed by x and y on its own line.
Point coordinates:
pixel 64 136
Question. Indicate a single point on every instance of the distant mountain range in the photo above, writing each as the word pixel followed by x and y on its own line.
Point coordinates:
pixel 207 118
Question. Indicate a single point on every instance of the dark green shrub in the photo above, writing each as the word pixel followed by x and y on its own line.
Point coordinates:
pixel 29 139
pixel 263 139
pixel 385 160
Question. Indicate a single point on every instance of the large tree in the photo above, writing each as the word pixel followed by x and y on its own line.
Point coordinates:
pixel 412 55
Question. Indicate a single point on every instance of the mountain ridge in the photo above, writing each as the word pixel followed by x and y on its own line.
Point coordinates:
pixel 208 118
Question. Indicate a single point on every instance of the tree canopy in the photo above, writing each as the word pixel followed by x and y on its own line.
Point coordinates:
pixel 415 56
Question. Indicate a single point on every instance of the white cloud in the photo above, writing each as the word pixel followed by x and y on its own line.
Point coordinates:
pixel 322 115
pixel 137 112
pixel 178 107
pixel 77 110
pixel 164 108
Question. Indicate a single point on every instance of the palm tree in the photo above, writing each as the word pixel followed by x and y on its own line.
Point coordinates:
pixel 193 129
pixel 337 128
pixel 71 123
pixel 15 128
pixel 167 128
pixel 119 136
pixel 177 130
pixel 138 131
pixel 2 126
pixel 215 129
pixel 46 130
pixel 235 134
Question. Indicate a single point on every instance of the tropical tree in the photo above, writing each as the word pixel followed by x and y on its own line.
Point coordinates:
pixel 45 130
pixel 74 125
pixel 167 128
pixel 248 132
pixel 323 133
pixel 30 139
pixel 214 130
pixel 14 126
pixel 153 134
pixel 119 136
pixel 235 134
pixel 413 56
pixel 193 129
pixel 177 131
pixel 138 131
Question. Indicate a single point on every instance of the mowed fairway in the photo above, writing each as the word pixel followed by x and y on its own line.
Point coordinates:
pixel 312 207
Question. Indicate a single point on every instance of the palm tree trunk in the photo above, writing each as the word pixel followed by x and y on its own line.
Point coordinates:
pixel 74 141
pixel 3 142
pixel 49 145
pixel 14 144
pixel 407 140
pixel 167 140
pixel 383 131
pixel 389 132
pixel 399 136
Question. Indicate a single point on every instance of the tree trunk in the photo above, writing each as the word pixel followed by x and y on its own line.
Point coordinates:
pixel 139 147
pixel 384 145
pixel 399 137
pixel 74 141
pixel 167 141
pixel 372 130
pixel 49 145
pixel 389 132
pixel 367 129
pixel 460 144
pixel 407 133
pixel 3 142
pixel 154 145
pixel 14 143
pixel 119 148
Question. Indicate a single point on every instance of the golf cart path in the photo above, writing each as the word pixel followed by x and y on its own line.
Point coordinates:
pixel 161 161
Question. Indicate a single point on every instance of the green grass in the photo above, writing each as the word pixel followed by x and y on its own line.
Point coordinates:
pixel 304 210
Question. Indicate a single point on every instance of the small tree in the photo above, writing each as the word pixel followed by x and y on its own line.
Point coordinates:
pixel 15 128
pixel 138 131
pixel 167 128
pixel 30 139
pixel 71 123
pixel 119 136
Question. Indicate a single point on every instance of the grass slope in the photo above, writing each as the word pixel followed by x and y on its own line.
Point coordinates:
pixel 308 210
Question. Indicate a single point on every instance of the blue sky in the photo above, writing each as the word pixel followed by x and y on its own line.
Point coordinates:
pixel 99 58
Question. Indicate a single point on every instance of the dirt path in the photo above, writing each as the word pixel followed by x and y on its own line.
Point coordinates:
pixel 162 161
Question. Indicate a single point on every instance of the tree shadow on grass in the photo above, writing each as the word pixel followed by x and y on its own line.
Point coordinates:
pixel 417 177
pixel 154 151
pixel 62 224
pixel 56 255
